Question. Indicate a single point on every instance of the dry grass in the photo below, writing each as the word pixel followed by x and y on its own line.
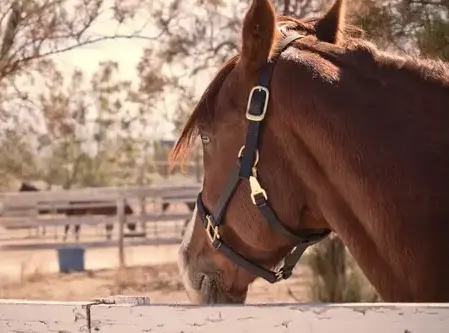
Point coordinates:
pixel 327 274
pixel 30 274
pixel 153 281
pixel 145 279
pixel 161 283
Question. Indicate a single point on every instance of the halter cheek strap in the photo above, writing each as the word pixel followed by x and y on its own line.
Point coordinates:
pixel 246 168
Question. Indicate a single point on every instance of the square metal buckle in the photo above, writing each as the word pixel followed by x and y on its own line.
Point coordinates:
pixel 260 117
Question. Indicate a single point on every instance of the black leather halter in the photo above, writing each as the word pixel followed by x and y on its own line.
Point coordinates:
pixel 246 168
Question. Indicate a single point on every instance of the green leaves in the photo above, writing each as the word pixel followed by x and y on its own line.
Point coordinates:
pixel 433 38
pixel 87 135
pixel 412 26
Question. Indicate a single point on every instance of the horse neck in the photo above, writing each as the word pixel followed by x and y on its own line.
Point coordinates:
pixel 375 157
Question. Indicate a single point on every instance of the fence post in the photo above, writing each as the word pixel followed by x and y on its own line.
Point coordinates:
pixel 121 220
pixel 143 213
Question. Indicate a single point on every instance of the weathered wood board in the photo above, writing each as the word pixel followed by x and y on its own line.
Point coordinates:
pixel 18 316
pixel 294 318
pixel 50 317
pixel 15 199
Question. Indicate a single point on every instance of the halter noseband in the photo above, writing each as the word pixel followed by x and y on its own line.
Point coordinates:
pixel 246 167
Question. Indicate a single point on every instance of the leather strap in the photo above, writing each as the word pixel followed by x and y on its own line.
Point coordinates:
pixel 255 108
pixel 284 272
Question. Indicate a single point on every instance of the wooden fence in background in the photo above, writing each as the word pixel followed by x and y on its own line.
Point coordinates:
pixel 21 209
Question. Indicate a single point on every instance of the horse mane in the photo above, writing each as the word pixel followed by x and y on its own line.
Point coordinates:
pixel 353 51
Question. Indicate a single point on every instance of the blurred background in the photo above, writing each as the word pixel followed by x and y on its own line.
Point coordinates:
pixel 93 94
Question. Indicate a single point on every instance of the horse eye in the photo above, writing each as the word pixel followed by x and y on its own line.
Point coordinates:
pixel 205 139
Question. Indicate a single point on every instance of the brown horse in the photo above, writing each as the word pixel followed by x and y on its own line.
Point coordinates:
pixel 354 140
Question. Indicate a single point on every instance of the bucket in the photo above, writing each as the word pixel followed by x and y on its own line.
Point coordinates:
pixel 71 259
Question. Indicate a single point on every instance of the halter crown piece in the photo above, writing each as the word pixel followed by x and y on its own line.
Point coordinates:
pixel 246 168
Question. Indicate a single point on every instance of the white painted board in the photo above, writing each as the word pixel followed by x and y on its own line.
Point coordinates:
pixel 51 317
pixel 17 316
pixel 297 318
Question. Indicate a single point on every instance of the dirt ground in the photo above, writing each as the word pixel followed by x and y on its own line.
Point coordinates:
pixel 152 271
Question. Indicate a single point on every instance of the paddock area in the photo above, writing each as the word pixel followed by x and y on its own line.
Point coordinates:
pixel 151 271
pixel 35 296
pixel 30 258
pixel 43 300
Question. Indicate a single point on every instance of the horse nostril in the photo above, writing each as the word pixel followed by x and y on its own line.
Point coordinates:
pixel 201 280
pixel 197 281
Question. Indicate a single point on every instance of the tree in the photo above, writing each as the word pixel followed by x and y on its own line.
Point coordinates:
pixel 91 131
pixel 196 36
pixel 34 30
pixel 18 159
pixel 417 27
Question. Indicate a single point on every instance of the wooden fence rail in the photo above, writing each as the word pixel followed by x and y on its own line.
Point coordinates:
pixel 101 193
pixel 78 206
pixel 37 210
pixel 20 316
pixel 90 220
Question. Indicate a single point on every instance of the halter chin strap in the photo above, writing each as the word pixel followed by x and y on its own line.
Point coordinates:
pixel 246 168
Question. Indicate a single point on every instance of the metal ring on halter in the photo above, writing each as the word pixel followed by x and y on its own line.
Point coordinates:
pixel 257 155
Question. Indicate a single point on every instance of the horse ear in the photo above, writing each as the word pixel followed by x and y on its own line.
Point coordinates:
pixel 329 28
pixel 258 34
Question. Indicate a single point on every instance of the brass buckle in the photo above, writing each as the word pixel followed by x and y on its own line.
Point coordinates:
pixel 257 155
pixel 256 189
pixel 212 228
pixel 260 117
pixel 279 275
